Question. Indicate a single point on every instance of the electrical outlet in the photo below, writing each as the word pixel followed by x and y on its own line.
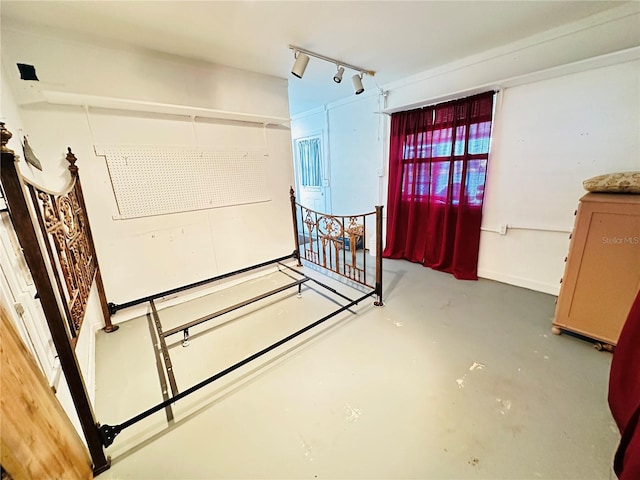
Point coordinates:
pixel 503 229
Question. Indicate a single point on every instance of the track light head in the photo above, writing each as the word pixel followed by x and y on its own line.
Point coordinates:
pixel 357 83
pixel 300 65
pixel 338 76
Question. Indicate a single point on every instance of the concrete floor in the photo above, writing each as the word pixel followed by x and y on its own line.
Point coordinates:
pixel 449 380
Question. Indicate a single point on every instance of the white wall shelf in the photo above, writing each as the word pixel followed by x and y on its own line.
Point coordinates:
pixel 93 101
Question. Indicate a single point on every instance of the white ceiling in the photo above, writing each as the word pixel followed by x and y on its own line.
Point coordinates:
pixel 395 38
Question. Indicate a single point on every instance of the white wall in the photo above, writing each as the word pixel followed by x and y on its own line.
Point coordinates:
pixel 357 137
pixel 568 109
pixel 550 136
pixel 139 257
pixel 354 133
pixel 11 114
pixel 85 346
pixel 315 124
pixel 147 255
pixel 69 65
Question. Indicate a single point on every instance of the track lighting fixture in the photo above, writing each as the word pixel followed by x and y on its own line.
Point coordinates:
pixel 300 65
pixel 302 59
pixel 357 84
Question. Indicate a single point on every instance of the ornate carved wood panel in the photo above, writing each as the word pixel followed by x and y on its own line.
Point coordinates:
pixel 64 224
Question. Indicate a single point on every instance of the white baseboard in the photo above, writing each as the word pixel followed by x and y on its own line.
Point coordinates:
pixel 552 289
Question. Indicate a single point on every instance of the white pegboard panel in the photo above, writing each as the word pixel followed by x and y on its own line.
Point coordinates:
pixel 155 180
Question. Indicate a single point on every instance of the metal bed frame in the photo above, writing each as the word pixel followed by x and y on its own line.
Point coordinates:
pixel 334 242
pixel 57 237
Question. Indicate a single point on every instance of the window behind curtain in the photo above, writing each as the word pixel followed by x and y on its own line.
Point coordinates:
pixel 437 169
pixel 434 159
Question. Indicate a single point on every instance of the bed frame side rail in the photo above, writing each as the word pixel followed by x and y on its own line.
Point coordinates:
pixel 113 308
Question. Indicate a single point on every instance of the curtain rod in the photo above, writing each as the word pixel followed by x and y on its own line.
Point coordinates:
pixel 444 98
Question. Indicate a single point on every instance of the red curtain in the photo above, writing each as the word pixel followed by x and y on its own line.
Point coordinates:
pixel 437 169
pixel 624 395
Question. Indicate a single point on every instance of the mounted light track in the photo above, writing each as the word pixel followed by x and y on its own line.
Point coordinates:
pixel 302 55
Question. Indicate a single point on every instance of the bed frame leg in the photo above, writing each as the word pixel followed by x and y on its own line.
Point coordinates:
pixel 378 302
pixel 299 295
pixel 294 217
pixel 185 340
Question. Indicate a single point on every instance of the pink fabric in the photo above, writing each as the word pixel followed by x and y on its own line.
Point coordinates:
pixel 624 395
pixel 437 167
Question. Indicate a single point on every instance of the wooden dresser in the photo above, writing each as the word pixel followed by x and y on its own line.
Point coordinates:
pixel 602 272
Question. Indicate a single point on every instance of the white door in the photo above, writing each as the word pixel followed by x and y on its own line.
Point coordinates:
pixel 17 294
pixel 312 182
